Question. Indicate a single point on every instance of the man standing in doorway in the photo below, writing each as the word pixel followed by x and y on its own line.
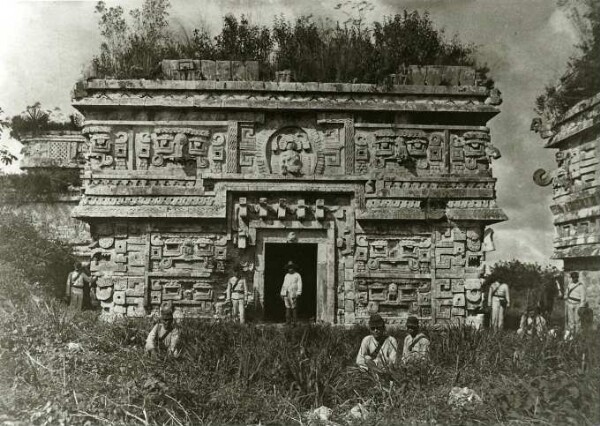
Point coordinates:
pixel 236 294
pixel 575 298
pixel 499 298
pixel 290 291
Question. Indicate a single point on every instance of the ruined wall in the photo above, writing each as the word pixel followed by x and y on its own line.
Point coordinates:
pixel 576 184
pixel 184 179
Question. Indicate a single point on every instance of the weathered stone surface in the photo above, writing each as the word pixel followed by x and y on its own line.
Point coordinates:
pixel 223 170
pixel 576 184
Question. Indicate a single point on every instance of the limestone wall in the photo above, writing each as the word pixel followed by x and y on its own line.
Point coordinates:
pixel 185 179
pixel 576 184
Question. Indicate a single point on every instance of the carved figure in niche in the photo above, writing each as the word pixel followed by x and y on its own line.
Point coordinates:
pixel 291 152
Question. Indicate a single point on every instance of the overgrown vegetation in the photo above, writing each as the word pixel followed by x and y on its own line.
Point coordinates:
pixel 60 366
pixel 581 80
pixel 36 120
pixel 231 374
pixel 38 186
pixel 315 50
pixel 32 255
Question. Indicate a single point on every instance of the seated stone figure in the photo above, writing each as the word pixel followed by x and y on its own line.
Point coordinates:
pixel 164 336
pixel 416 344
pixel 377 349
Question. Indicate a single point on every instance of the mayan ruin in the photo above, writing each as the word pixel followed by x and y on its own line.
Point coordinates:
pixel 381 195
pixel 312 213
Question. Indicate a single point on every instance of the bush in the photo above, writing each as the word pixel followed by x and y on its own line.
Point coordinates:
pixel 322 51
pixel 38 186
pixel 35 257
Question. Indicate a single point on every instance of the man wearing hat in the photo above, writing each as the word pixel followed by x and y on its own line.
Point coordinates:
pixel 532 323
pixel 377 349
pixel 290 291
pixel 164 336
pixel 416 344
pixel 499 299
pixel 236 294
pixel 78 287
pixel 575 298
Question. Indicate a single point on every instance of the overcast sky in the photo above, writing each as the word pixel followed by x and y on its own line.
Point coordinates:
pixel 45 44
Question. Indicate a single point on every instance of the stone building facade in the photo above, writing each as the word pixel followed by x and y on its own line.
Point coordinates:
pixel 379 195
pixel 576 184
pixel 53 150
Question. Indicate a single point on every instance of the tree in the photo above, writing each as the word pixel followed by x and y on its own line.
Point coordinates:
pixel 581 80
pixel 6 157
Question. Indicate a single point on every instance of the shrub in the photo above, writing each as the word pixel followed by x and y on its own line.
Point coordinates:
pixel 38 186
pixel 322 51
pixel 36 257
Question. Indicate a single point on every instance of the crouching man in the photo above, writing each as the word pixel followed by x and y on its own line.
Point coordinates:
pixel 416 344
pixel 377 349
pixel 164 336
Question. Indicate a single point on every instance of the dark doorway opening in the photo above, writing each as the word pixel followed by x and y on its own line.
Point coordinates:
pixel 276 257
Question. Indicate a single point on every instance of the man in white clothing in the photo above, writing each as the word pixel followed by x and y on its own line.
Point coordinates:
pixel 290 291
pixel 416 344
pixel 237 294
pixel 499 298
pixel 377 349
pixel 575 298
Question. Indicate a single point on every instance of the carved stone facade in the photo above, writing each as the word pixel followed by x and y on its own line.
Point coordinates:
pixel 576 183
pixel 53 149
pixel 383 210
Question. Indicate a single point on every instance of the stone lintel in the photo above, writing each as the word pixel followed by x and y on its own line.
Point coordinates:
pixel 584 213
pixel 584 250
pixel 576 240
pixel 271 86
pixel 479 215
pixel 186 212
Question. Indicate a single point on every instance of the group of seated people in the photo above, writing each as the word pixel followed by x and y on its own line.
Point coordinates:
pixel 376 350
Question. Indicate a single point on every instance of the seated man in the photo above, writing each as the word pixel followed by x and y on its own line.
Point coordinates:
pixel 532 323
pixel 377 349
pixel 164 336
pixel 416 344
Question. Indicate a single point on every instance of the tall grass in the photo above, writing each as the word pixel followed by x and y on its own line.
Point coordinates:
pixel 233 374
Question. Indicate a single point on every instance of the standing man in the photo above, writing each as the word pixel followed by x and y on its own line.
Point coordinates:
pixel 78 287
pixel 550 291
pixel 377 349
pixel 575 298
pixel 237 291
pixel 499 298
pixel 164 336
pixel 416 344
pixel 290 291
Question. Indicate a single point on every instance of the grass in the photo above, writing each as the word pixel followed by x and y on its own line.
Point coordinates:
pixel 232 374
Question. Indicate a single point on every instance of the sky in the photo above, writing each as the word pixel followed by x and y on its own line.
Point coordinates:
pixel 44 46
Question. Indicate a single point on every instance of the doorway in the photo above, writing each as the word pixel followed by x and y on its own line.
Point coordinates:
pixel 276 257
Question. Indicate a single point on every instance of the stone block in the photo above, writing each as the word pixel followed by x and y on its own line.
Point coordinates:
pixel 120 283
pixel 467 76
pixel 136 311
pixel 135 286
pixel 103 293
pixel 156 297
pixel 223 71
pixel 119 297
pixel 120 310
pixel 349 274
pixel 208 70
pixel 349 306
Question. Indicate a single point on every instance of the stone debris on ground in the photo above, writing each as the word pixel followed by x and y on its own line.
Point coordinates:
pixel 74 347
pixel 463 397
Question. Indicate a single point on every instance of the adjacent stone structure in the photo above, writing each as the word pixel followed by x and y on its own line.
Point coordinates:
pixel 53 149
pixel 576 183
pixel 380 195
